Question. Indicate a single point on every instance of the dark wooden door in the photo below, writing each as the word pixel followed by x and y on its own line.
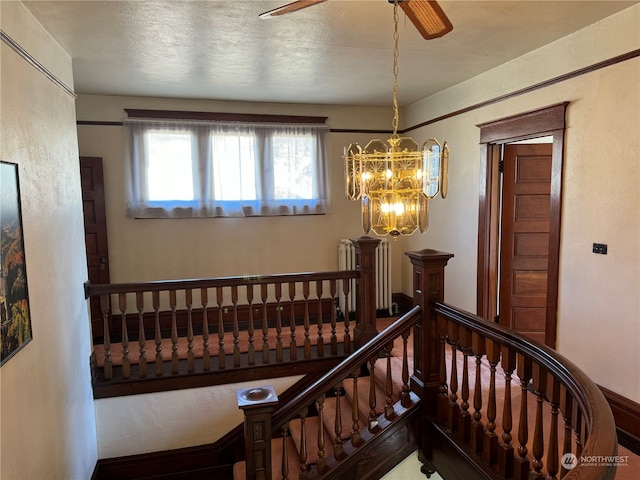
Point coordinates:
pixel 524 252
pixel 95 231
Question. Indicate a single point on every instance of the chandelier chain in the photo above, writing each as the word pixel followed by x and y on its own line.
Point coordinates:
pixel 395 68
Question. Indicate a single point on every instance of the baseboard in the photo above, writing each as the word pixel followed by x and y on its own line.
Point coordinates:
pixel 626 414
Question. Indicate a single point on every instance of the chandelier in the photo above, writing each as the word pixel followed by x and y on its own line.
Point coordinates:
pixel 394 180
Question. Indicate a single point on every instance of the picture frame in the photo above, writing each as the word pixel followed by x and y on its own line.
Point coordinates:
pixel 15 318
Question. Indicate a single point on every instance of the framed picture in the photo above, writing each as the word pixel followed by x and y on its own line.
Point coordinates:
pixel 14 299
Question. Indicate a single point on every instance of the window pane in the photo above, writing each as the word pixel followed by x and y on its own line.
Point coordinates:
pixel 169 173
pixel 293 166
pixel 234 167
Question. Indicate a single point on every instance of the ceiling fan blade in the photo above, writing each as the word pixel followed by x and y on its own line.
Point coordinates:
pixel 428 17
pixel 290 7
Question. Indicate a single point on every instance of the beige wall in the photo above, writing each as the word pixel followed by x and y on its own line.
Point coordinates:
pixel 599 296
pixel 168 420
pixel 47 414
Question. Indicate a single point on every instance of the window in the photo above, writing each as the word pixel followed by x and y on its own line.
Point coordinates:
pixel 219 169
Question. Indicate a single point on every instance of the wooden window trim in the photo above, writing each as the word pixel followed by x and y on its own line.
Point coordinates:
pixel 223 116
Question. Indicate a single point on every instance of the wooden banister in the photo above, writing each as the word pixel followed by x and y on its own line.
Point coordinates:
pixel 359 357
pixel 345 430
pixel 254 323
pixel 553 379
pixel 93 290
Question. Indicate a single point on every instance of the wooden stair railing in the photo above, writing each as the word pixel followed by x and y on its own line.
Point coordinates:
pixel 552 422
pixel 345 422
pixel 156 334
pixel 479 402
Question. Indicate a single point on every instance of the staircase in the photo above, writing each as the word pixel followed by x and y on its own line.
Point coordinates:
pixel 371 411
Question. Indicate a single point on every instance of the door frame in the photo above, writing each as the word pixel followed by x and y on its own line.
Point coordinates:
pixel 547 121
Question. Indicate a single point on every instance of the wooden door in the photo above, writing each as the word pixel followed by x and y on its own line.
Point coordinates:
pixel 524 252
pixel 95 232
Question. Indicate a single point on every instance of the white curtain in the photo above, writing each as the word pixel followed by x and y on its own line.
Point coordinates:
pixel 215 169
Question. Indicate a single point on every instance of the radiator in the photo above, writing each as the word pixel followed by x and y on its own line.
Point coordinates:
pixel 347 261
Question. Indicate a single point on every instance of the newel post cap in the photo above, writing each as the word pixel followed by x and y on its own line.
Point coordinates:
pixel 429 255
pixel 256 397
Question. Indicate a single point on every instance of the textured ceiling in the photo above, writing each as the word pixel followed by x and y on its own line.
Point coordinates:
pixel 337 52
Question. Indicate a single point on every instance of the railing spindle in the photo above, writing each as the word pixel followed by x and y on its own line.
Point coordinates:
pixel 307 339
pixel 293 348
pixel 190 355
pixel 302 453
pixel 334 338
pixel 236 328
pixel 126 361
pixel 443 386
pixel 104 308
pixel 175 360
pixel 372 422
pixel 322 461
pixel 155 297
pixel 356 439
pixel 142 357
pixel 338 449
pixel 454 409
pixel 465 417
pixel 222 360
pixel 578 429
pixel 477 428
pixel 320 344
pixel 279 353
pixel 539 390
pixel 389 412
pixel 251 349
pixel 552 451
pixel 265 324
pixel 206 355
pixel 505 452
pixel 490 450
pixel 285 454
pixel 521 472
pixel 566 406
pixel 405 398
pixel 346 340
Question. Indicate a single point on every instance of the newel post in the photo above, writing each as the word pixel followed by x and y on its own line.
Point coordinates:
pixel 258 404
pixel 428 287
pixel 365 248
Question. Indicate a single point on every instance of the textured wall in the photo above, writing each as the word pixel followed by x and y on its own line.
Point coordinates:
pixel 47 414
pixel 599 296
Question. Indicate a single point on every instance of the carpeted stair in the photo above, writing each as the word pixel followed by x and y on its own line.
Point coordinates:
pixel 311 421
